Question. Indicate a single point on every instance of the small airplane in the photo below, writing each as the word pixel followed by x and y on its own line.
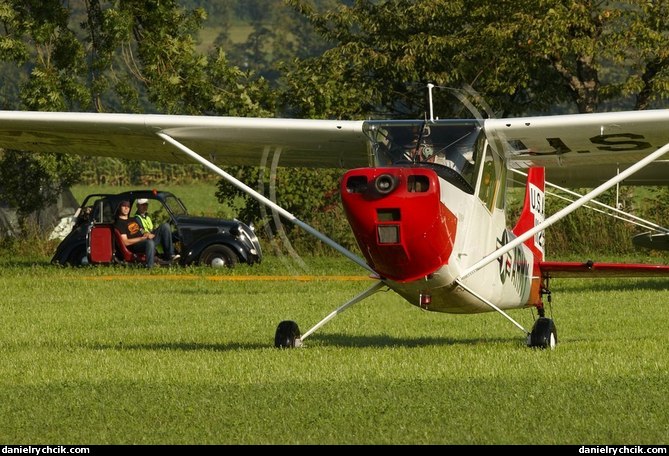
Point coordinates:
pixel 425 198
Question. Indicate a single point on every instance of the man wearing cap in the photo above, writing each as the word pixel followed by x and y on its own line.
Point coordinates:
pixel 163 230
pixel 139 240
pixel 142 215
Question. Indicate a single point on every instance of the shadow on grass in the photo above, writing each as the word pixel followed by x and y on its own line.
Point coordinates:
pixel 612 284
pixel 182 346
pixel 384 341
pixel 323 340
pixel 27 263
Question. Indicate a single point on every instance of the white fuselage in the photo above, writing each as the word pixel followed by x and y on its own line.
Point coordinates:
pixel 506 282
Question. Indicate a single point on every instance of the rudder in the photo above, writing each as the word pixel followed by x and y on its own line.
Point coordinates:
pixel 533 212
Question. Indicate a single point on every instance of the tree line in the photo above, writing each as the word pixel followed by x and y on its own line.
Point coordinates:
pixel 319 59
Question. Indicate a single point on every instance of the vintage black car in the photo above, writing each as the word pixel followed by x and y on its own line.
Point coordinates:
pixel 199 240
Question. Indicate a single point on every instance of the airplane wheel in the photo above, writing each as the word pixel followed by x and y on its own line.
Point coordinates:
pixel 287 335
pixel 544 334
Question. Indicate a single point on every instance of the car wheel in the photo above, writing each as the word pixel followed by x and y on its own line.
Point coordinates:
pixel 78 257
pixel 218 256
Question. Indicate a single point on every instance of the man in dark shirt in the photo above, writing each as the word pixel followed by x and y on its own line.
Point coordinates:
pixel 139 241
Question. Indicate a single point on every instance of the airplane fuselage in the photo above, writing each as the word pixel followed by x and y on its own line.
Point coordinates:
pixel 420 224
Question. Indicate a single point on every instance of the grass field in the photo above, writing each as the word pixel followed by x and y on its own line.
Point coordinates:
pixel 185 356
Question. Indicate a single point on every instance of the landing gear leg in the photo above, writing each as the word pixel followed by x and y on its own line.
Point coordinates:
pixel 288 334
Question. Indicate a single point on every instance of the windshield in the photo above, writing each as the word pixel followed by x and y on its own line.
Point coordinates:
pixel 449 144
pixel 175 205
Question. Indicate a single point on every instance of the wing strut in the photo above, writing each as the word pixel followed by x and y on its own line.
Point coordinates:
pixel 491 305
pixel 267 202
pixel 564 212
pixel 368 292
pixel 617 213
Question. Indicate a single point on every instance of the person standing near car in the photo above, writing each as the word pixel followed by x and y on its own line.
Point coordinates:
pixel 137 239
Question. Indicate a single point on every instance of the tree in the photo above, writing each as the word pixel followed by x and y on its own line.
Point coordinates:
pixel 55 55
pixel 29 183
pixel 277 34
pixel 602 52
pixel 159 59
pixel 96 55
pixel 522 57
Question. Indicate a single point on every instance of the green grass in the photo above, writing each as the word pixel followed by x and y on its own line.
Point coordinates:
pixel 124 356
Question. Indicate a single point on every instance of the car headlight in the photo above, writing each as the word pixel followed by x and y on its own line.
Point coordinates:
pixel 247 234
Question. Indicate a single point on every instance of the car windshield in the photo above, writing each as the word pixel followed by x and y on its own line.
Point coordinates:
pixel 175 205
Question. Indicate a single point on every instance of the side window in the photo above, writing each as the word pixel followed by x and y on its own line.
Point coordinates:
pixel 479 152
pixel 490 175
pixel 103 212
pixel 501 192
pixel 488 181
pixel 108 213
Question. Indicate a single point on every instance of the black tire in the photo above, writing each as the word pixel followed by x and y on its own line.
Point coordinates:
pixel 219 255
pixel 544 334
pixel 77 258
pixel 287 335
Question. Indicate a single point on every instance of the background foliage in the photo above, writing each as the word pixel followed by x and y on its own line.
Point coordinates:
pixel 320 59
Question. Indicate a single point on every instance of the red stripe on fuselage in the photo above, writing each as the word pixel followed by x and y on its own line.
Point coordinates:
pixel 403 229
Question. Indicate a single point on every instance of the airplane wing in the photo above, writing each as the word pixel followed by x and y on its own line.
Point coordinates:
pixel 222 140
pixel 591 269
pixel 577 150
pixel 584 150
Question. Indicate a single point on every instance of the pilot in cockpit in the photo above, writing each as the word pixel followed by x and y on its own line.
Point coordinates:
pixel 416 144
pixel 438 153
pixel 452 158
pixel 399 144
pixel 411 144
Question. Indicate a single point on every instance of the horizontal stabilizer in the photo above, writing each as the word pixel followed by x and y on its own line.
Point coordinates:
pixel 650 240
pixel 592 269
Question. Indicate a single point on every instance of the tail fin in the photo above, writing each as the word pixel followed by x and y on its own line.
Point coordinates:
pixel 533 212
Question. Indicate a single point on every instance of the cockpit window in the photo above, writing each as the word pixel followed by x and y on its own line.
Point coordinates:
pixel 491 172
pixel 448 144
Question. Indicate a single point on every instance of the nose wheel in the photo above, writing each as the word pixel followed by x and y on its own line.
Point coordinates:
pixel 543 335
pixel 287 335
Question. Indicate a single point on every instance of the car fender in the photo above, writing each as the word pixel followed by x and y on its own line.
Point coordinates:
pixel 72 242
pixel 194 250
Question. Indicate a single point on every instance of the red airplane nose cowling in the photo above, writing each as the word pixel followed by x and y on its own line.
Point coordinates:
pixel 401 226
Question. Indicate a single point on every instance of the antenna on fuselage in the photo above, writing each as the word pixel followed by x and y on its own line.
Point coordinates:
pixel 430 86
